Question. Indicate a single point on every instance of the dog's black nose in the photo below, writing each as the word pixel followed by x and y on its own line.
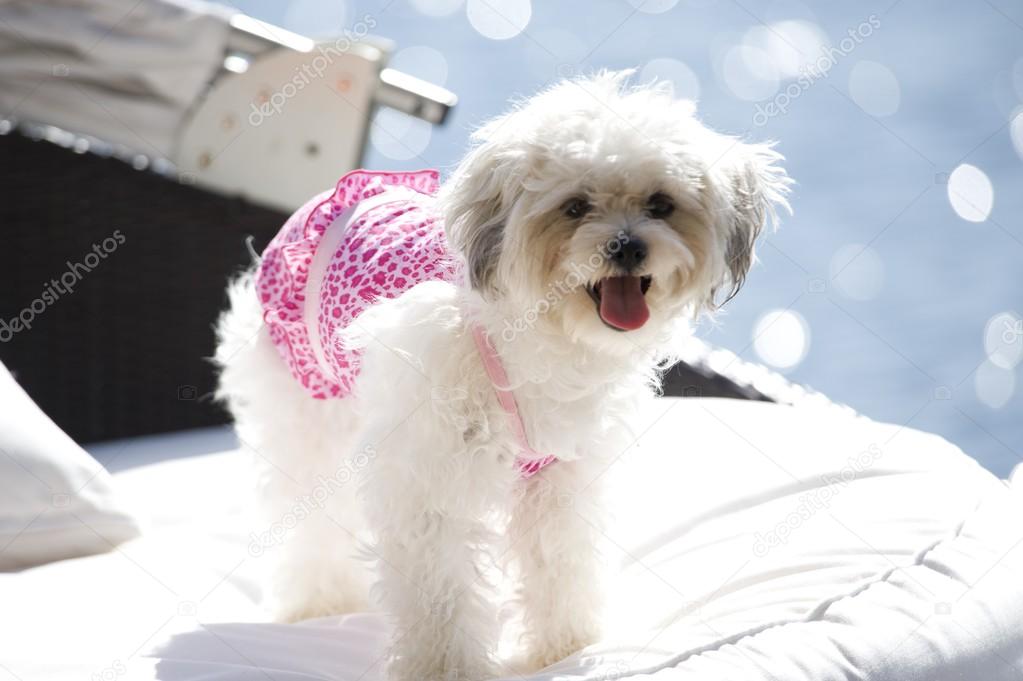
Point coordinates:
pixel 630 255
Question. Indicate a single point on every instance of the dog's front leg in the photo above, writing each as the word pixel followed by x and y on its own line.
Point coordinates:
pixel 443 625
pixel 427 506
pixel 556 530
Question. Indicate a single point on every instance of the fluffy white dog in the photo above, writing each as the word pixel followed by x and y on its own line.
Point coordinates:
pixel 586 226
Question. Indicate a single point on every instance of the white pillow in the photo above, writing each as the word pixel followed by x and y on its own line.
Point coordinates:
pixel 56 501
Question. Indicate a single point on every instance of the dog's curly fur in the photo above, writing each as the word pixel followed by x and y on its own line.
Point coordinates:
pixel 439 502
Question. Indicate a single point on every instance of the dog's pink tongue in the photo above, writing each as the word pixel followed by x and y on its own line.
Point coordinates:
pixel 622 304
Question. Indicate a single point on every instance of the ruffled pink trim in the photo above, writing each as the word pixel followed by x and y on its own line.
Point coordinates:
pixel 283 275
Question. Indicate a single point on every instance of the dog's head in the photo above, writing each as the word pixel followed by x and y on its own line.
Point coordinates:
pixel 608 211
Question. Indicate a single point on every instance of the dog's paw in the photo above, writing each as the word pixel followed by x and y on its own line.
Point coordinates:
pixel 298 610
pixel 410 669
pixel 544 653
pixel 440 654
pixel 541 659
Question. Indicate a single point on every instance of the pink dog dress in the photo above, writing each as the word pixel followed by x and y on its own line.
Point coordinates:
pixel 376 235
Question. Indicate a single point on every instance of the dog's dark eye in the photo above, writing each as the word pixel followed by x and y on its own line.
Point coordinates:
pixel 576 207
pixel 660 206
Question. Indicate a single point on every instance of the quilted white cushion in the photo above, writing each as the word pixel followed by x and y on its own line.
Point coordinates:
pixel 813 545
pixel 753 541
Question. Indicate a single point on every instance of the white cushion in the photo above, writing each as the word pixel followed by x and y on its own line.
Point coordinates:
pixel 55 500
pixel 770 542
pixel 901 561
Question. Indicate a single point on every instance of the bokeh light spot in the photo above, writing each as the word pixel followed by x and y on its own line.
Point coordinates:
pixel 995 386
pixel 874 88
pixel 1003 340
pixel 792 45
pixel 399 137
pixel 749 73
pixel 781 338
pixel 970 193
pixel 499 19
pixel 682 78
pixel 1016 132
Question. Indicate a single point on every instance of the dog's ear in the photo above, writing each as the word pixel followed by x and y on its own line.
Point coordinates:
pixel 756 186
pixel 477 200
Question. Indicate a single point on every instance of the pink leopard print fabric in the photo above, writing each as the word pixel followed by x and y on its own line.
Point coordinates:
pixel 396 243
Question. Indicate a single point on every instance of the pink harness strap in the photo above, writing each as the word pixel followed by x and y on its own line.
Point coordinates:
pixel 530 462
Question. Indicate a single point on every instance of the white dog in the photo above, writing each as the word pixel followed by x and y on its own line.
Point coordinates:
pixel 580 233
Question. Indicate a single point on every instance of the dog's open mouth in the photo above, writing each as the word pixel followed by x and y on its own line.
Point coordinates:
pixel 621 301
